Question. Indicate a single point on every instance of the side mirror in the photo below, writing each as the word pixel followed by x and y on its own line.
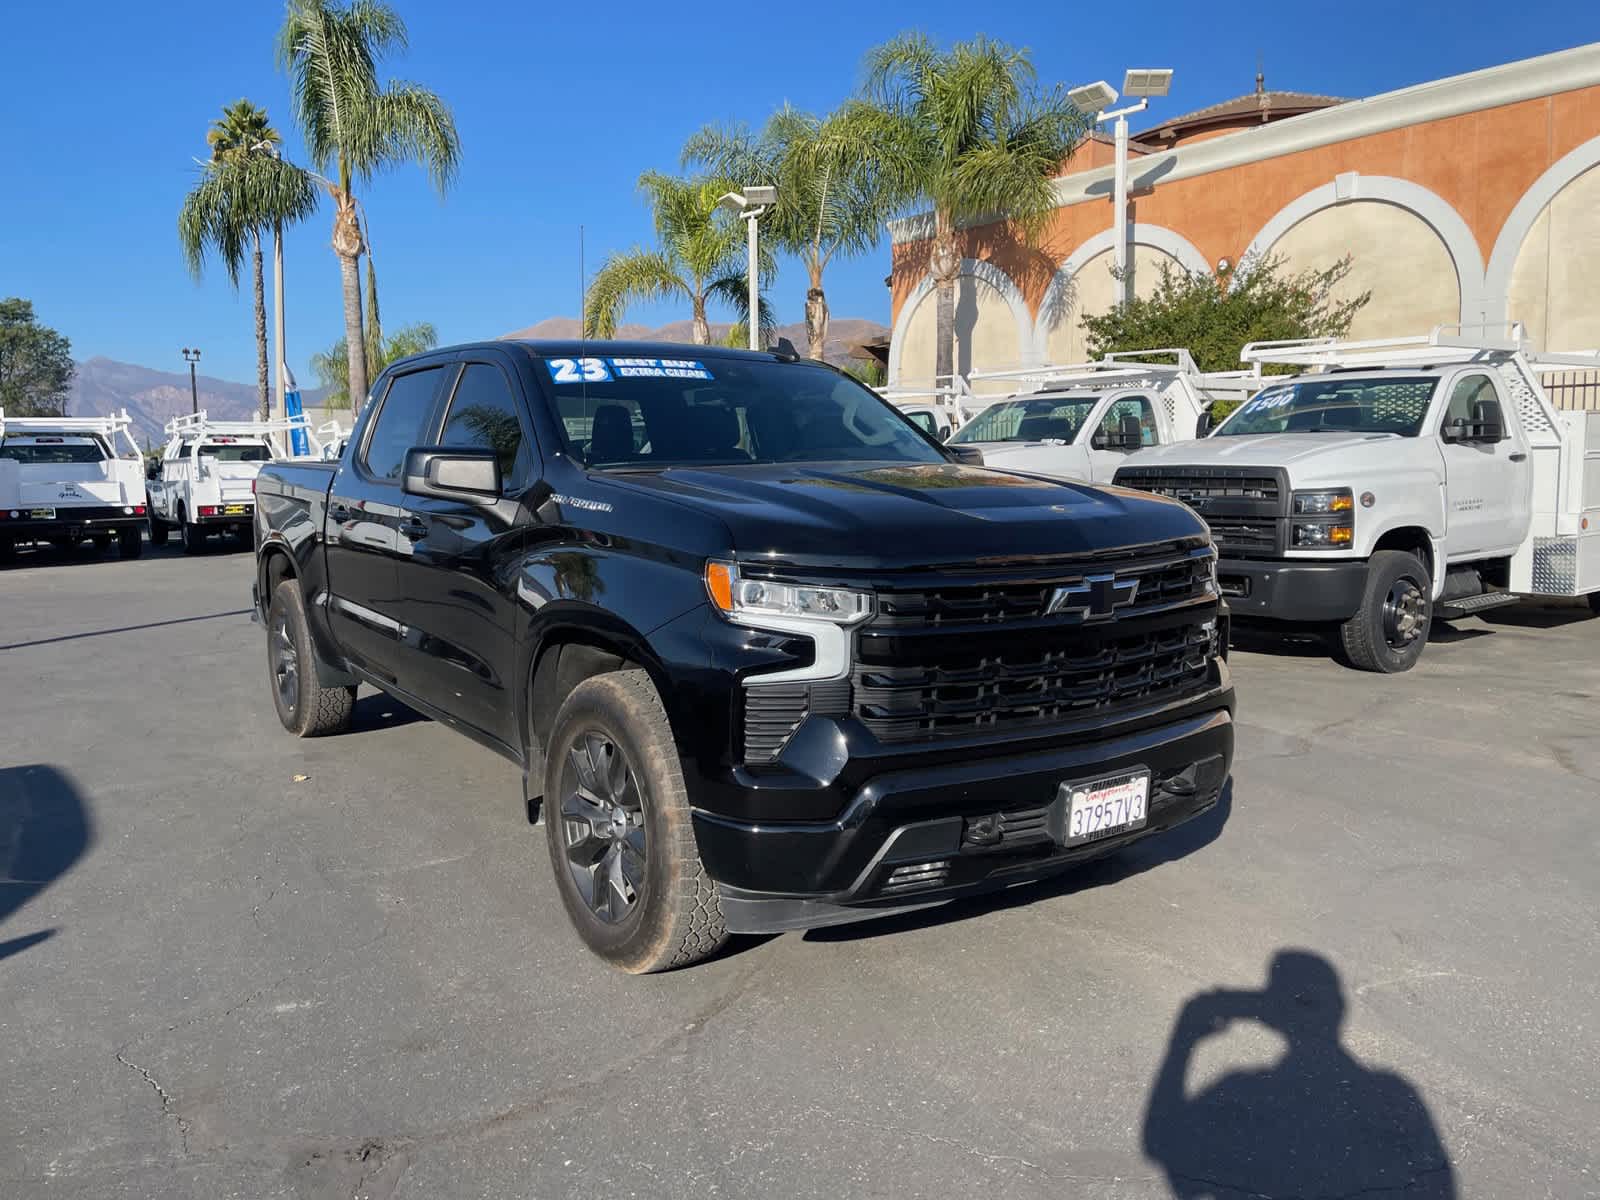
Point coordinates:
pixel 1204 425
pixel 1488 424
pixel 469 475
pixel 1127 436
pixel 970 455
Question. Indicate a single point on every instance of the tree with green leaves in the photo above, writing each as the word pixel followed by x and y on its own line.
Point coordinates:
pixel 968 132
pixel 1213 316
pixel 244 189
pixel 700 257
pixel 35 363
pixel 356 127
pixel 836 179
pixel 332 366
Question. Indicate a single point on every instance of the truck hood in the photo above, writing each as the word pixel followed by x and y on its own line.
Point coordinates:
pixel 869 516
pixel 1058 460
pixel 1266 450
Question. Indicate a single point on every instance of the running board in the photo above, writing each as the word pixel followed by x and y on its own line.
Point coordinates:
pixel 1471 606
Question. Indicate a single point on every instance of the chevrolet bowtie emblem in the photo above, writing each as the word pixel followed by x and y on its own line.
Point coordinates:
pixel 1095 599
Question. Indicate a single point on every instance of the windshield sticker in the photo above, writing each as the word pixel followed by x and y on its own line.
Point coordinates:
pixel 1270 400
pixel 578 370
pixel 659 368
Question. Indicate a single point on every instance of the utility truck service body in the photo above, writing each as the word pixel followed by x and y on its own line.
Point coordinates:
pixel 1396 481
pixel 1080 421
pixel 205 482
pixel 65 479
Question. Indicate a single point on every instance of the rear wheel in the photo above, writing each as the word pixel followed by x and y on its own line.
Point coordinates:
pixel 130 542
pixel 158 530
pixel 102 542
pixel 1390 629
pixel 305 708
pixel 619 833
pixel 1594 603
pixel 194 537
pixel 8 549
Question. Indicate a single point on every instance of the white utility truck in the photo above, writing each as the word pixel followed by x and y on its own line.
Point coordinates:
pixel 1393 482
pixel 205 482
pixel 936 411
pixel 67 479
pixel 1080 421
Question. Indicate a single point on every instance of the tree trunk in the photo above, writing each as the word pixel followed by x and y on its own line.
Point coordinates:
pixel 944 264
pixel 817 316
pixel 702 327
pixel 262 389
pixel 347 245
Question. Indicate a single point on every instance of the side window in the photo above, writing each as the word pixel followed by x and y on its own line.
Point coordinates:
pixel 399 423
pixel 483 416
pixel 1139 409
pixel 1469 392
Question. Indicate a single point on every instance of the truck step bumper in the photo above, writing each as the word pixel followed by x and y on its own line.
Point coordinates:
pixel 926 836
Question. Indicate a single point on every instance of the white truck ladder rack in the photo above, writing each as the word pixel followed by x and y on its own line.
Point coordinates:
pixel 951 398
pixel 197 426
pixel 110 427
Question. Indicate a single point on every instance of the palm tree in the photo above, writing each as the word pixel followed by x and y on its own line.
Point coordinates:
pixel 980 141
pixel 701 257
pixel 357 127
pixel 244 188
pixel 836 178
pixel 332 366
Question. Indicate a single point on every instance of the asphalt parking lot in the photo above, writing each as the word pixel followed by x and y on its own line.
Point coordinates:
pixel 233 964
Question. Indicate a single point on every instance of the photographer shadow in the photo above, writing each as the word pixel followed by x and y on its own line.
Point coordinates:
pixel 1318 1122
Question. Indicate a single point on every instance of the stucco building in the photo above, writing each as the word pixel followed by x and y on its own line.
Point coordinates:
pixel 1474 198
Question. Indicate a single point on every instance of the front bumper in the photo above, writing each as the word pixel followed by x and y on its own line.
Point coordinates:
pixel 1292 590
pixel 925 835
pixel 70 522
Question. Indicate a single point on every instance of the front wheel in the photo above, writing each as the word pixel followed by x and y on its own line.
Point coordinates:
pixel 8 549
pixel 1390 629
pixel 305 708
pixel 194 536
pixel 158 530
pixel 130 542
pixel 618 829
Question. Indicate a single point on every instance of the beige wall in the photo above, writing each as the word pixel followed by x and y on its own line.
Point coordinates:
pixel 1093 290
pixel 1395 255
pixel 986 332
pixel 1558 295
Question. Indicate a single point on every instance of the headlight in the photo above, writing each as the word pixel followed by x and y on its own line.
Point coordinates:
pixel 1331 523
pixel 750 601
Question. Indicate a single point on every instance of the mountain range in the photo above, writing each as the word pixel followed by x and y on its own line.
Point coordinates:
pixel 153 397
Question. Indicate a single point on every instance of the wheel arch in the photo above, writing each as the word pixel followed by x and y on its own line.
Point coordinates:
pixel 1413 539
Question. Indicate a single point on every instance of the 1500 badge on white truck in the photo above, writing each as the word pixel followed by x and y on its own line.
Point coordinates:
pixel 1399 482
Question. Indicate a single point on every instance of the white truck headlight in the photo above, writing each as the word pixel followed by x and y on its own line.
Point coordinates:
pixel 1328 519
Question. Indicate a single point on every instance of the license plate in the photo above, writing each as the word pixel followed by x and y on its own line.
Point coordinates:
pixel 42 514
pixel 234 510
pixel 1102 807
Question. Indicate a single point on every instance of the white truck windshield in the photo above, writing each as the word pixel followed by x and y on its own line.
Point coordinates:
pixel 660 412
pixel 1032 420
pixel 1388 404
pixel 235 451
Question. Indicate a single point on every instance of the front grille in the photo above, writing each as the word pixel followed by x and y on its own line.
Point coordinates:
pixel 1156 581
pixel 1245 507
pixel 951 690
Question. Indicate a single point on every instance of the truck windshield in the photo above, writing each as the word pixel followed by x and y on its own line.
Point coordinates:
pixel 1389 404
pixel 235 451
pixel 1029 421
pixel 53 450
pixel 665 412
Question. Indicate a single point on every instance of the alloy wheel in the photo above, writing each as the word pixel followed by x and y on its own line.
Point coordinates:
pixel 603 826
pixel 285 664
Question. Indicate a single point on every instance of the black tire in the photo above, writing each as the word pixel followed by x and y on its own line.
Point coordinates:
pixel 102 542
pixel 674 917
pixel 304 708
pixel 8 549
pixel 158 530
pixel 1390 629
pixel 1594 603
pixel 194 536
pixel 130 543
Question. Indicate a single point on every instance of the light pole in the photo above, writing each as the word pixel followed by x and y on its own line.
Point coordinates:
pixel 191 357
pixel 750 204
pixel 1093 100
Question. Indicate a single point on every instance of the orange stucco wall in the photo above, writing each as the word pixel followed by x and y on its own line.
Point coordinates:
pixel 1480 163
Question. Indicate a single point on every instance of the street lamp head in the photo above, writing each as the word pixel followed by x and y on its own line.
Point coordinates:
pixel 732 202
pixel 1147 81
pixel 761 195
pixel 1093 98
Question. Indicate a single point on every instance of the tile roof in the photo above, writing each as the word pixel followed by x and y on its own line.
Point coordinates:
pixel 1250 102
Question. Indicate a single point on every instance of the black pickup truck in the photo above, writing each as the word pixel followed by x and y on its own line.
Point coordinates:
pixel 769 655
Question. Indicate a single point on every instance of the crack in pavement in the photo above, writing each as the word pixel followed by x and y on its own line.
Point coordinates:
pixel 168 1109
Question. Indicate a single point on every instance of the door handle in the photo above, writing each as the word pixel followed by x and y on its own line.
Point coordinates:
pixel 1518 456
pixel 414 528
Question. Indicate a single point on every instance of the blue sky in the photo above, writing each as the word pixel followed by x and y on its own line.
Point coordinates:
pixel 559 108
